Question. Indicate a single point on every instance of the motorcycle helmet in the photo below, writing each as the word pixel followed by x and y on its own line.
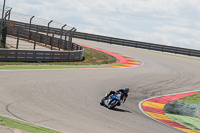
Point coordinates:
pixel 126 90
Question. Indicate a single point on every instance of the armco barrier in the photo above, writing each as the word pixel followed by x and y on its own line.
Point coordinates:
pixel 38 55
pixel 137 44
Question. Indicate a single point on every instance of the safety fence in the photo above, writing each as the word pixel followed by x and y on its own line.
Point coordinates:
pixel 137 44
pixel 38 36
pixel 59 39
pixel 70 51
pixel 38 55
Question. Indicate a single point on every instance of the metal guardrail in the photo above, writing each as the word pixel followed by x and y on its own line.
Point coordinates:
pixel 137 44
pixel 38 55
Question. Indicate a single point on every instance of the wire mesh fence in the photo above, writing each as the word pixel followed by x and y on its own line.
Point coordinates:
pixel 19 17
pixel 48 31
pixel 31 38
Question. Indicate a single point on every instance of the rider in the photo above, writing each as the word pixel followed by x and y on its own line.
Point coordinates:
pixel 123 92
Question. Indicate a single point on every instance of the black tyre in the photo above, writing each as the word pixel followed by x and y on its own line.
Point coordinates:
pixel 102 102
pixel 112 104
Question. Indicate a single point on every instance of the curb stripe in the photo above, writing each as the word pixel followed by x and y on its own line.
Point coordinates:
pixel 153 110
pixel 154 105
pixel 159 116
pixel 173 123
pixel 186 130
pixel 124 61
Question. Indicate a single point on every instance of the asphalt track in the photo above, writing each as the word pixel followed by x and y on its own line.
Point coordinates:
pixel 68 100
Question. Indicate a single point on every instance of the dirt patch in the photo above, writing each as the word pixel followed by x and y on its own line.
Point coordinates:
pixel 198 112
pixel 17 131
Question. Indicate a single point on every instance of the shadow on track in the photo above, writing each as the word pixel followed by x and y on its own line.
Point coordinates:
pixel 120 110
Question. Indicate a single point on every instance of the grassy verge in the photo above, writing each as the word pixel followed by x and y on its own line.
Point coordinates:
pixel 195 99
pixel 187 121
pixel 24 126
pixel 92 58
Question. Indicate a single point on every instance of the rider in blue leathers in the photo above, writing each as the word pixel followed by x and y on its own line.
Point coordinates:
pixel 123 92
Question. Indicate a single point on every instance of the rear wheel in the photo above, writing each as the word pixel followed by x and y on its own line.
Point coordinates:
pixel 102 102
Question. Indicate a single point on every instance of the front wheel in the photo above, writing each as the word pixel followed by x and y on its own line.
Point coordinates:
pixel 113 104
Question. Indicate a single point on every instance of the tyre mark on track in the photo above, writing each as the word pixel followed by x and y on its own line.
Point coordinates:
pixel 7 109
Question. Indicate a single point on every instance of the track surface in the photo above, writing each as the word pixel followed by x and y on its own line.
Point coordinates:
pixel 68 100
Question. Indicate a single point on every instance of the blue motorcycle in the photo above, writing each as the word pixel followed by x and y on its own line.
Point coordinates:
pixel 112 101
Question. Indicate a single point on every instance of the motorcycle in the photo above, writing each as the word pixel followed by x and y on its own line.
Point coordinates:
pixel 112 101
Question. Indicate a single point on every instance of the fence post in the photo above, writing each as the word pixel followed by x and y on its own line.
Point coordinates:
pixel 67 43
pixel 47 33
pixel 2 21
pixel 52 41
pixel 17 38
pixel 30 27
pixel 35 38
pixel 9 14
pixel 61 33
pixel 65 40
pixel 71 34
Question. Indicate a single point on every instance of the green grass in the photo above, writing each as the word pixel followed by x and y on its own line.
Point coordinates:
pixel 195 99
pixel 24 126
pixel 28 67
pixel 187 121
